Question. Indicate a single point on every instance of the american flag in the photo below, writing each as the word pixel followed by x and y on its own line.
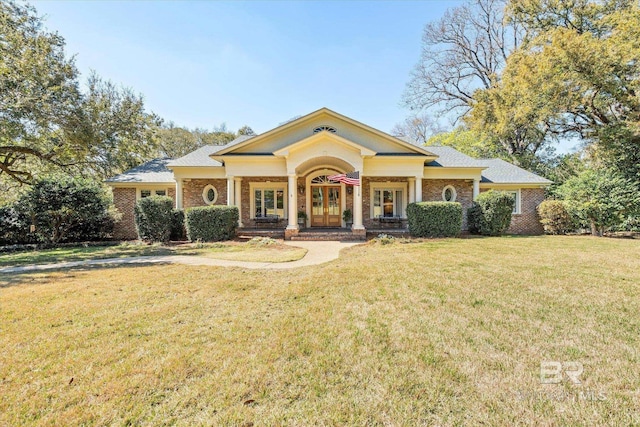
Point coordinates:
pixel 351 178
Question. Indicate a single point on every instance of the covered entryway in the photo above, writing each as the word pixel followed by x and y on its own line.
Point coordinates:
pixel 326 206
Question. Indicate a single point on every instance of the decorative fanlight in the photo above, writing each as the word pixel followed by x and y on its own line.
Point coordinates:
pixel 324 128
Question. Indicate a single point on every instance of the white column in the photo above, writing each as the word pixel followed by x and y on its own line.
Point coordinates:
pixel 418 188
pixel 238 198
pixel 412 190
pixel 179 193
pixel 230 191
pixel 357 208
pixel 293 202
pixel 476 188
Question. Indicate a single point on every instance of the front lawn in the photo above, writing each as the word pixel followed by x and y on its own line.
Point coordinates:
pixel 442 332
pixel 257 250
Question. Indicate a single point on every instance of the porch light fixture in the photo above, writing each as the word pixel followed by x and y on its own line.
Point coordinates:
pixel 349 190
pixel 301 189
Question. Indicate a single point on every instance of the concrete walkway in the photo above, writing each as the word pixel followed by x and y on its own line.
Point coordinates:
pixel 317 253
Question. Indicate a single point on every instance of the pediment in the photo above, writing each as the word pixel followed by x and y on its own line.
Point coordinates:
pixel 324 121
pixel 324 141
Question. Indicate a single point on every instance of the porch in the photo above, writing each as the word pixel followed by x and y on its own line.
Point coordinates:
pixel 322 234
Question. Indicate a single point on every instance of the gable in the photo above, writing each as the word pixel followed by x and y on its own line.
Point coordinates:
pixel 344 127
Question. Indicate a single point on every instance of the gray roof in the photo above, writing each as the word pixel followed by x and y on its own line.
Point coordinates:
pixel 200 157
pixel 152 171
pixel 501 172
pixel 449 157
pixel 238 140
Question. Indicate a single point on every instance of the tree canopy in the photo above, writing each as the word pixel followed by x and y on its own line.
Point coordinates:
pixel 51 123
pixel 526 73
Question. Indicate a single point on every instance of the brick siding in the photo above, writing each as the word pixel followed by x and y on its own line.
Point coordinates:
pixel 124 200
pixel 432 192
pixel 192 192
pixel 527 221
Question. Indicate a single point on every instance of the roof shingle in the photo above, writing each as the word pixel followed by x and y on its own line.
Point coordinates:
pixel 502 172
pixel 152 171
pixel 449 157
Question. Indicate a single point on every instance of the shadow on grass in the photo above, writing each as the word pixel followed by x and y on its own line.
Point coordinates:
pixel 43 277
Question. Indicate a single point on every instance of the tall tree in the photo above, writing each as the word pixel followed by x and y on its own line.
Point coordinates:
pixel 176 141
pixel 47 122
pixel 587 70
pixel 39 95
pixel 116 129
pixel 460 72
pixel 463 51
pixel 469 142
pixel 246 130
pixel 418 128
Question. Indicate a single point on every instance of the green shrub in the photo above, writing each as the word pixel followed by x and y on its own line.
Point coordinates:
pixel 211 223
pixel 600 199
pixel 554 217
pixel 154 217
pixel 490 214
pixel 431 219
pixel 14 226
pixel 178 232
pixel 60 210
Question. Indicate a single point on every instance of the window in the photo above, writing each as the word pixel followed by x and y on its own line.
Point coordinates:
pixel 149 193
pixel 268 202
pixel 388 202
pixel 516 196
pixel 321 179
pixel 449 193
pixel 323 128
pixel 209 194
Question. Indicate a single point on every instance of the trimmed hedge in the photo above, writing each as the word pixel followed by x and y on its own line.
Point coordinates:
pixel 211 223
pixel 178 231
pixel 434 219
pixel 153 216
pixel 490 214
pixel 554 217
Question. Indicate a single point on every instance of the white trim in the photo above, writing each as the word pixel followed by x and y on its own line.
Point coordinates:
pixel 381 185
pixel 154 191
pixel 329 170
pixel 275 185
pixel 205 192
pixel 518 206
pixel 321 111
pixel 510 185
pixel 453 189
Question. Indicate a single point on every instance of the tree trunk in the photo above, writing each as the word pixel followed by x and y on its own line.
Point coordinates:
pixel 594 228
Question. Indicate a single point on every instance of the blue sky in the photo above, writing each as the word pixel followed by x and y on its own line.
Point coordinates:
pixel 202 63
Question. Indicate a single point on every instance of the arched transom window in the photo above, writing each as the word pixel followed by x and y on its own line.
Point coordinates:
pixel 323 128
pixel 321 179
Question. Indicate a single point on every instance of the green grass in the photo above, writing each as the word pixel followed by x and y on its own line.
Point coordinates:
pixel 442 332
pixel 237 251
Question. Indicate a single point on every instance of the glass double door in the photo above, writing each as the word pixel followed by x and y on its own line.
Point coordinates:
pixel 325 206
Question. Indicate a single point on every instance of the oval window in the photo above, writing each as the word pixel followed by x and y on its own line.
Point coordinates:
pixel 209 194
pixel 449 193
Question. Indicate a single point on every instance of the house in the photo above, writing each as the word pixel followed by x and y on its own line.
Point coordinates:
pixel 273 176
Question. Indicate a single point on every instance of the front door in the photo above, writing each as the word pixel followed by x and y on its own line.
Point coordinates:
pixel 325 206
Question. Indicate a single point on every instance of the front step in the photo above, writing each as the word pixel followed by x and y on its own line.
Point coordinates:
pixel 328 236
pixel 244 233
